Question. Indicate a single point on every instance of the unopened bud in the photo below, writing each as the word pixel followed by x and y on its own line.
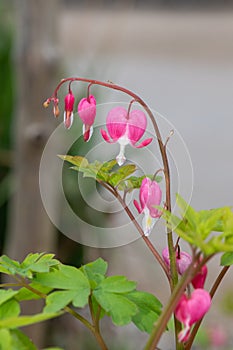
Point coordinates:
pixel 46 103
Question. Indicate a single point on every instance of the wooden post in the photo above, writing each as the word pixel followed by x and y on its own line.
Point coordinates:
pixel 30 229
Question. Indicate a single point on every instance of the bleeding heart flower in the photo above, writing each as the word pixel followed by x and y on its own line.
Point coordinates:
pixel 191 309
pixel 183 260
pixel 149 196
pixel 199 280
pixel 87 112
pixel 125 128
pixel 68 113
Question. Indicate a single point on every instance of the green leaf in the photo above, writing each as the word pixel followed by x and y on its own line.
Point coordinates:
pixel 8 309
pixel 20 341
pixel 5 339
pixel 66 277
pixel 111 296
pixel 56 301
pixel 15 322
pixel 95 271
pixel 117 284
pixel 134 182
pixel 6 295
pixel 149 310
pixel 119 307
pixel 227 259
pixel 122 173
pixel 8 265
pixel 75 160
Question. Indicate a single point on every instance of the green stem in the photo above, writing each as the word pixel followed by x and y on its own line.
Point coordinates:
pixel 96 328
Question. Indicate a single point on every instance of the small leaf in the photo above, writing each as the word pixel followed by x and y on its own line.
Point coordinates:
pixel 95 271
pixel 5 339
pixel 117 306
pixel 6 295
pixel 117 284
pixel 66 277
pixel 56 301
pixel 20 341
pixel 8 309
pixel 149 310
pixel 227 259
pixel 75 160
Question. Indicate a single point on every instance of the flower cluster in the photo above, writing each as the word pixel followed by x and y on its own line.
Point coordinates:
pixel 124 126
pixel 86 112
pixel 191 307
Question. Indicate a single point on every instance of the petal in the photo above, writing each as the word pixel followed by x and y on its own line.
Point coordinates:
pixel 69 102
pixel 121 156
pixel 87 110
pixel 87 132
pixel 137 205
pixel 199 280
pixel 147 222
pixel 183 262
pixel 116 122
pixel 143 143
pixel 137 123
pixel 68 119
pixel 154 198
pixel 105 136
pixel 144 191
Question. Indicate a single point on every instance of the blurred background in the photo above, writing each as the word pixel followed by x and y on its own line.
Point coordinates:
pixel 178 56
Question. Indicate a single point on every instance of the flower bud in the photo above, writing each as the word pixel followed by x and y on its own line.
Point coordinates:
pixel 68 113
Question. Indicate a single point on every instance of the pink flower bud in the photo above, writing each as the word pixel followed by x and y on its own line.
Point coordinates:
pixel 183 260
pixel 149 196
pixel 69 106
pixel 125 129
pixel 191 309
pixel 87 112
pixel 199 280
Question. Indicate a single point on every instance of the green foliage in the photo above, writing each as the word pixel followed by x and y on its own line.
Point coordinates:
pixel 38 262
pixel 108 172
pixel 200 228
pixel 42 276
pixel 14 339
pixel 227 259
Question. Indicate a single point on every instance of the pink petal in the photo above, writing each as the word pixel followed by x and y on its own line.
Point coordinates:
pixel 191 310
pixel 144 143
pixel 199 280
pixel 183 262
pixel 105 136
pixel 137 205
pixel 154 198
pixel 116 122
pixel 144 191
pixel 69 102
pixel 137 123
pixel 87 110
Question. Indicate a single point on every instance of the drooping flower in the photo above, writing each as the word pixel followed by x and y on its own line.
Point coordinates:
pixel 199 280
pixel 150 196
pixel 191 309
pixel 69 106
pixel 183 260
pixel 87 112
pixel 125 128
